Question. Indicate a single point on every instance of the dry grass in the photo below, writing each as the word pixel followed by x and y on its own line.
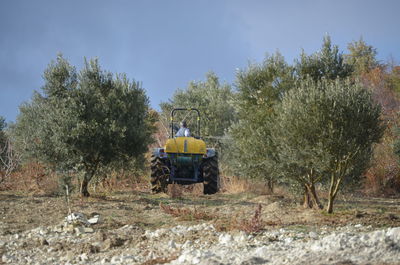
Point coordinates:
pixel 175 190
pixel 255 224
pixel 161 260
pixel 33 178
pixel 382 178
pixel 119 181
pixel 234 185
pixel 186 214
pixel 252 225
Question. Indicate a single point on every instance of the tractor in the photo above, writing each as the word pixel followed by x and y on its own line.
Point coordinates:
pixel 184 160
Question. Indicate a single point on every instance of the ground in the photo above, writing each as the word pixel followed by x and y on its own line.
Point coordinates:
pixel 143 213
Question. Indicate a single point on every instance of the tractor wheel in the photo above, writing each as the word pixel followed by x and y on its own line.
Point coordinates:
pixel 159 175
pixel 210 175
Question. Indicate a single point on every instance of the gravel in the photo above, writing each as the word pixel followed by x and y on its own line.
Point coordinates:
pixel 201 244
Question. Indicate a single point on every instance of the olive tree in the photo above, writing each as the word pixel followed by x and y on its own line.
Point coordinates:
pixel 326 131
pixel 328 63
pixel 84 122
pixel 214 101
pixel 361 56
pixel 260 88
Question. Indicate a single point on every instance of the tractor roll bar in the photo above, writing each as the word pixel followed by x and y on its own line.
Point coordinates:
pixel 185 109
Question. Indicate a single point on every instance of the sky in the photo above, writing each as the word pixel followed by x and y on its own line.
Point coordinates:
pixel 165 44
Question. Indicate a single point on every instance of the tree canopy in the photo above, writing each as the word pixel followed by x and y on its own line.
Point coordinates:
pixel 361 56
pixel 84 121
pixel 213 100
pixel 325 132
pixel 260 88
pixel 328 63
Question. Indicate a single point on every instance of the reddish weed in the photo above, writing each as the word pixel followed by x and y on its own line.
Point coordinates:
pixel 186 214
pixel 255 224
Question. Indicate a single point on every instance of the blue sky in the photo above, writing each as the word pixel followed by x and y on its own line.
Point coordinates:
pixel 167 43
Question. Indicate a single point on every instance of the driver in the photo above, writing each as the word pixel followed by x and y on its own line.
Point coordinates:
pixel 183 131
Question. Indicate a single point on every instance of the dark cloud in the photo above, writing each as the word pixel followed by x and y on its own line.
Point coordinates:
pixel 166 44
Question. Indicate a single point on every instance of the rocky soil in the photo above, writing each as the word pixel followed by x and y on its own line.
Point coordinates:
pixel 357 234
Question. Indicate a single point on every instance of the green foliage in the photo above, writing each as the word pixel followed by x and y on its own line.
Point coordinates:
pixel 260 88
pixel 327 63
pixel 64 182
pixel 84 121
pixel 2 123
pixel 3 142
pixel 361 56
pixel 325 132
pixel 213 101
pixel 2 133
pixel 393 79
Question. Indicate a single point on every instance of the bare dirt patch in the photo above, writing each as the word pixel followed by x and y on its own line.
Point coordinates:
pixel 21 212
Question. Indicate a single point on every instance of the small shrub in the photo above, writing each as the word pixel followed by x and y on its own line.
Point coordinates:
pixel 64 181
pixel 253 225
pixel 186 214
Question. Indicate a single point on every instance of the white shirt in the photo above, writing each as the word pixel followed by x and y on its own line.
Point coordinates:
pixel 183 132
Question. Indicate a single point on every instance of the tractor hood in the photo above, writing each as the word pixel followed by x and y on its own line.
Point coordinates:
pixel 185 145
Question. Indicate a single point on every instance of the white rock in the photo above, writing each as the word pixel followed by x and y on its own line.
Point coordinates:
pixel 241 237
pixel 77 218
pixel 187 244
pixel 225 239
pixel 313 235
pixel 172 244
pixel 288 240
pixel 116 259
pixel 88 230
pixel 79 230
pixel 196 260
pixel 94 220
pixel 377 235
pixel 7 258
pixel 358 225
pixel 43 231
pixel 129 258
pixel 151 255
pixel 182 258
pixel 83 257
pixel 58 229
pixel 261 251
pixel 394 234
pixel 364 238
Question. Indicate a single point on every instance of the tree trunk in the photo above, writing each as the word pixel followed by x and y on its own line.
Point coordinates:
pixel 333 190
pixel 307 201
pixel 89 173
pixel 270 185
pixel 314 197
pixel 84 187
pixel 310 197
pixel 329 209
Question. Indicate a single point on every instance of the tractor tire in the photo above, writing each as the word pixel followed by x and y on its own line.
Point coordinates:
pixel 159 175
pixel 210 175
